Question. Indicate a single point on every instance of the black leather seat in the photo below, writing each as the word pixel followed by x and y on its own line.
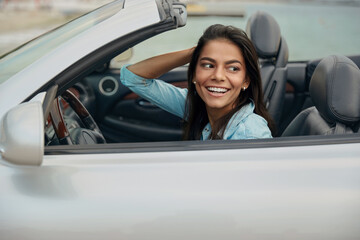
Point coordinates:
pixel 335 92
pixel 273 54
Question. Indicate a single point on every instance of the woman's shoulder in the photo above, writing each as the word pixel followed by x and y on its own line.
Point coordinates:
pixel 248 126
pixel 255 126
pixel 254 118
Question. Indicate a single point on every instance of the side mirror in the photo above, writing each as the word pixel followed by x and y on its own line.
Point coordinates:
pixel 22 135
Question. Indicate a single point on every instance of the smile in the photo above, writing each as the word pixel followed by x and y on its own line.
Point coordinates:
pixel 217 89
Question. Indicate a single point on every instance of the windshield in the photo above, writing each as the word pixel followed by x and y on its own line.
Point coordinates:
pixel 15 61
pixel 312 29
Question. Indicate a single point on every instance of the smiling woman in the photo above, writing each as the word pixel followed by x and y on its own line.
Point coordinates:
pixel 224 95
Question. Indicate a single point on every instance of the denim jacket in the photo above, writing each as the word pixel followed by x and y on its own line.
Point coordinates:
pixel 244 124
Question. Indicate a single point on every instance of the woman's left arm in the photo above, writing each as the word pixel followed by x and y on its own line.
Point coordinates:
pixel 156 66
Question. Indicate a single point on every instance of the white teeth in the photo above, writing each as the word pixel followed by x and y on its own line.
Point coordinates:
pixel 216 89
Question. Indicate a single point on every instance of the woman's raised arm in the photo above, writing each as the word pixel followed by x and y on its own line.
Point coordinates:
pixel 156 66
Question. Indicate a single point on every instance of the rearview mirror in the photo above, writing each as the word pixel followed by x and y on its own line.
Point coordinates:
pixel 121 59
pixel 22 135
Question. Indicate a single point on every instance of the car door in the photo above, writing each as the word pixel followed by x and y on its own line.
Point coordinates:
pixel 308 188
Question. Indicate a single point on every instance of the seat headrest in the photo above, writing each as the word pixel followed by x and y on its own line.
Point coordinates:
pixel 335 89
pixel 264 32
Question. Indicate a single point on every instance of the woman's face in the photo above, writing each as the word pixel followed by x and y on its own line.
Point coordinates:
pixel 220 75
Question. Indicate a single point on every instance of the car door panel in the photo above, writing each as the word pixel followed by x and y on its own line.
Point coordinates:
pixel 125 117
pixel 142 121
pixel 186 194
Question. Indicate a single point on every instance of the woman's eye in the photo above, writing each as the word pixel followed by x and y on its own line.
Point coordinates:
pixel 207 65
pixel 234 69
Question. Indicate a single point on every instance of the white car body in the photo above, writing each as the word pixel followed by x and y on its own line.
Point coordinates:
pixel 287 188
pixel 252 193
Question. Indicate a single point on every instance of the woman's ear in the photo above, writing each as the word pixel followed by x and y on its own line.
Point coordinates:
pixel 246 83
pixel 194 78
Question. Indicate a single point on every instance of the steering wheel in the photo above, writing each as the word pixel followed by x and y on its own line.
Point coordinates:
pixel 91 134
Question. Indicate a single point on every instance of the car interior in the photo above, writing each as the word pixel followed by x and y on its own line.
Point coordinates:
pixel 317 97
pixel 273 53
pixel 334 91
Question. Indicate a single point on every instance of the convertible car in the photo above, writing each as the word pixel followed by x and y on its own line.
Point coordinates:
pixel 82 157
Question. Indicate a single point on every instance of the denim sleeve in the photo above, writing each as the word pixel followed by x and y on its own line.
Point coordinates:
pixel 166 96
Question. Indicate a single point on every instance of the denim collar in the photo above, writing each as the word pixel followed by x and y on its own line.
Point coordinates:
pixel 234 122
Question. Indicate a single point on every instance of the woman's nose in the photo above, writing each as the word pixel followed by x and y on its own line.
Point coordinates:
pixel 219 74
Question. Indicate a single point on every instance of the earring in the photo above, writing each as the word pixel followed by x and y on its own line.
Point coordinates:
pixel 194 82
pixel 244 88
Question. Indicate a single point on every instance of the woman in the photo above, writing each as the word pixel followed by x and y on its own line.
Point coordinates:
pixel 224 97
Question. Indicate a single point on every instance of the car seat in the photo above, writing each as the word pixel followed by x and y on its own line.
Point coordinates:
pixel 335 90
pixel 273 54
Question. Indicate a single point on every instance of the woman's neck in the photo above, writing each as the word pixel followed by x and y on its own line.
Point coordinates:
pixel 215 114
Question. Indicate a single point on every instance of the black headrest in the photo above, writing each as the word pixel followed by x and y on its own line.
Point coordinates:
pixel 335 89
pixel 265 34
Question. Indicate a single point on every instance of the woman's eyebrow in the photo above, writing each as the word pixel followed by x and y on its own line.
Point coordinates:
pixel 213 60
pixel 207 59
pixel 233 61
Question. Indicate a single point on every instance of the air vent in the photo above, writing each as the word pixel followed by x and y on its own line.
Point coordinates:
pixel 108 86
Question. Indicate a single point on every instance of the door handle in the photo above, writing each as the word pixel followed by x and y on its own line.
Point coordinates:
pixel 145 103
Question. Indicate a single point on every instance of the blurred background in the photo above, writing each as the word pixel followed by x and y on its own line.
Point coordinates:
pixel 313 28
pixel 22 20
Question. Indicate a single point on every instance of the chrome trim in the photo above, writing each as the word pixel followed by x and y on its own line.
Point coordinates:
pixel 102 89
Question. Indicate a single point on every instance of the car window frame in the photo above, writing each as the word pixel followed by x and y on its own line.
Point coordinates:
pixel 198 145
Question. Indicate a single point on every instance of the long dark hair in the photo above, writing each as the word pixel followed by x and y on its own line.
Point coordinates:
pixel 195 113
